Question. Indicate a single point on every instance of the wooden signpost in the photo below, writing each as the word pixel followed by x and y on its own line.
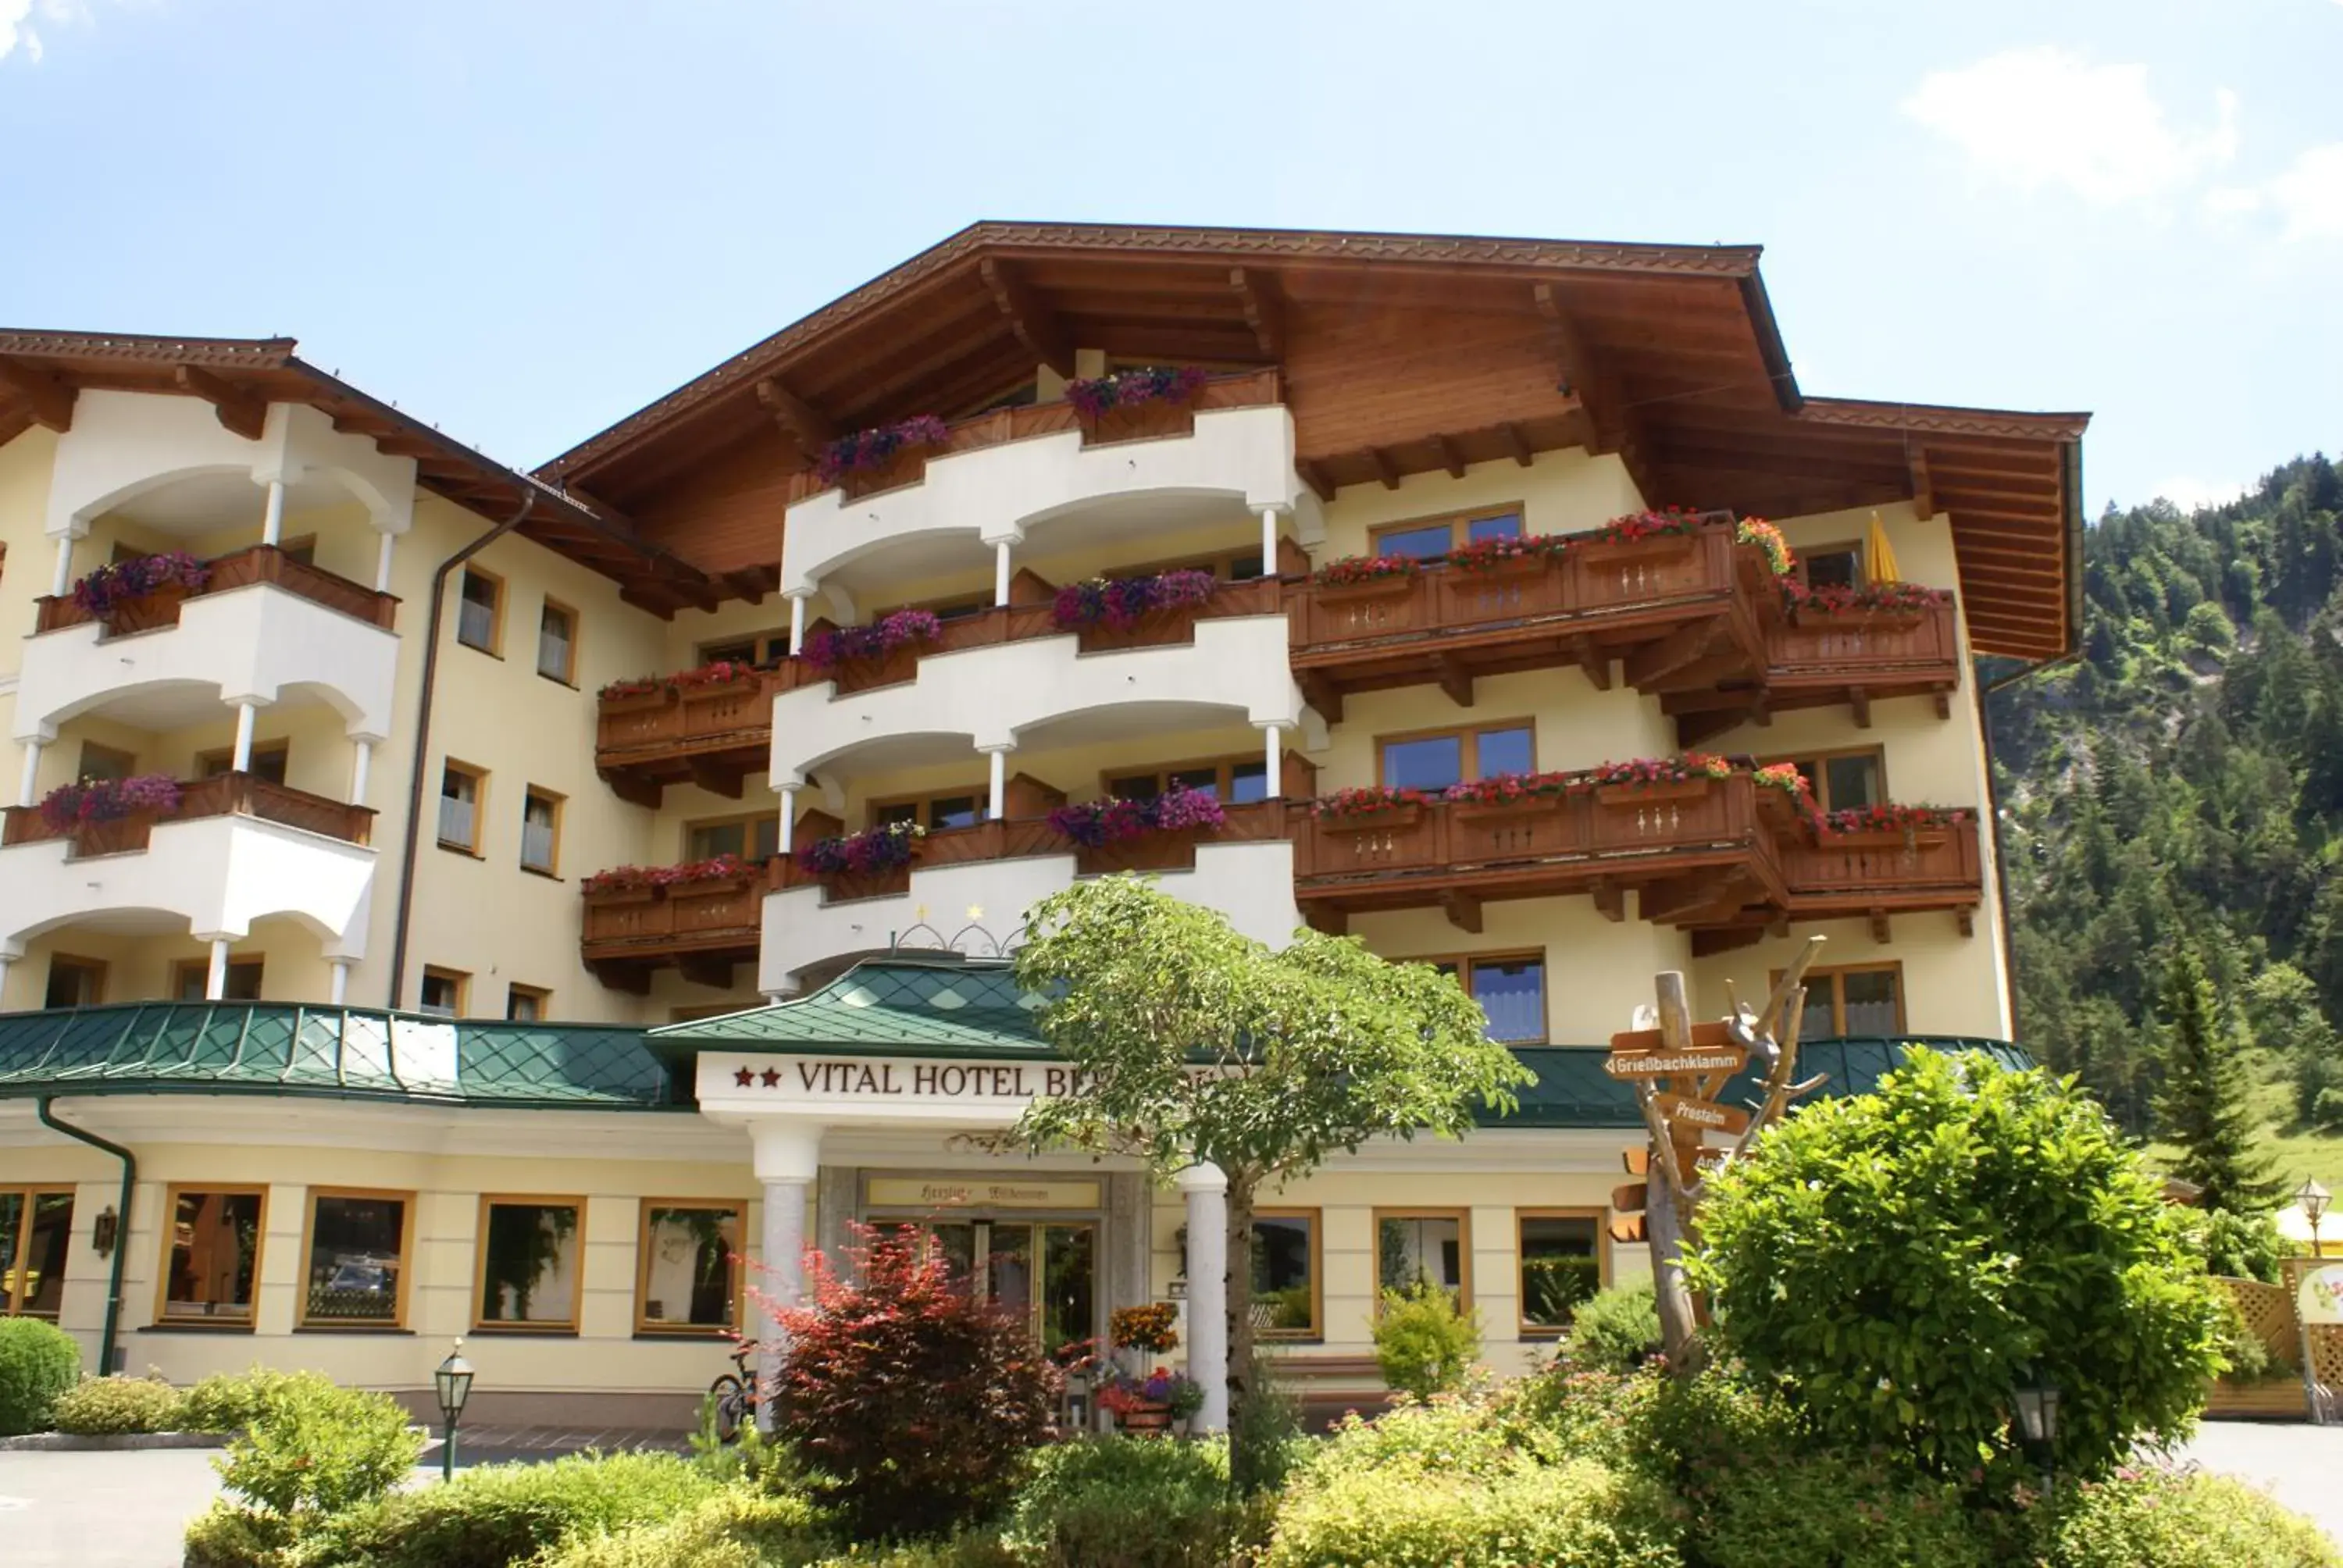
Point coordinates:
pixel 1705 1115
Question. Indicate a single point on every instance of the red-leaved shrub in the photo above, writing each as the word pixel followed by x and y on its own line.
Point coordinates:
pixel 914 1400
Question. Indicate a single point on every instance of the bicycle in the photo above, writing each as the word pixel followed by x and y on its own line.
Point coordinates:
pixel 735 1394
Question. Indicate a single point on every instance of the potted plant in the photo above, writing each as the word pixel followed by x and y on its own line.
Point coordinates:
pixel 1664 531
pixel 1506 796
pixel 1133 405
pixel 1101 828
pixel 143 592
pixel 640 694
pixel 641 884
pixel 1757 531
pixel 107 816
pixel 1365 576
pixel 858 656
pixel 1647 781
pixel 1784 798
pixel 1890 826
pixel 1370 807
pixel 883 456
pixel 1901 602
pixel 1102 606
pixel 1519 555
pixel 870 864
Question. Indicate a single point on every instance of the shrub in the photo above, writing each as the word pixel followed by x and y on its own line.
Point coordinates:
pixel 228 1401
pixel 1265 1436
pixel 1767 1508
pixel 108 1406
pixel 2240 1246
pixel 504 1513
pixel 226 1536
pixel 1078 1502
pixel 915 1400
pixel 311 1448
pixel 2163 1519
pixel 39 1362
pixel 1424 1343
pixel 1899 1260
pixel 1613 1330
pixel 970 1549
pixel 1578 1514
pixel 732 1529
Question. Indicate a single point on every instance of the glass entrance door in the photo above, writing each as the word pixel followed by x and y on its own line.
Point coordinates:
pixel 1044 1271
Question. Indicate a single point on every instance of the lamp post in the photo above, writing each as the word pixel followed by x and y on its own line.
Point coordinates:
pixel 2313 1199
pixel 453 1379
pixel 2037 1424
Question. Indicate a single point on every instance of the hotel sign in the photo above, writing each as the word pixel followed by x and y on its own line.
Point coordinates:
pixel 869 1088
pixel 920 1192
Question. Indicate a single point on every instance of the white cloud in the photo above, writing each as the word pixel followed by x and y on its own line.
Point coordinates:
pixel 17 29
pixel 2045 117
pixel 2189 493
pixel 2310 193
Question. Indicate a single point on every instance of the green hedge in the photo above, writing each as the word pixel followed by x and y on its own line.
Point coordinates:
pixel 111 1406
pixel 1577 1515
pixel 39 1362
pixel 736 1528
pixel 501 1515
pixel 2158 1519
pixel 1080 1500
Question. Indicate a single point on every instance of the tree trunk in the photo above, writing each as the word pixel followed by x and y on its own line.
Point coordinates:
pixel 1664 1229
pixel 1239 1297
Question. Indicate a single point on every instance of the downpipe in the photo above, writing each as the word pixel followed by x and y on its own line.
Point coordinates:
pixel 44 1109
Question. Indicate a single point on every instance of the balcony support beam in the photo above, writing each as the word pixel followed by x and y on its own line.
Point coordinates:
pixel 51 397
pixel 1032 323
pixel 1670 654
pixel 1462 910
pixel 1859 700
pixel 1456 681
pixel 714 778
pixel 1592 661
pixel 798 420
pixel 1610 899
pixel 239 412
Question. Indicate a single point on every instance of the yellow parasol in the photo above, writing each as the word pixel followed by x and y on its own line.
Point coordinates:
pixel 1879 556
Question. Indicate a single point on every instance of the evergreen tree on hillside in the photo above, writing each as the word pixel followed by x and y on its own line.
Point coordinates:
pixel 2203 1104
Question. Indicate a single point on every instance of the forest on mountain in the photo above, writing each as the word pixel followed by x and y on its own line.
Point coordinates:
pixel 2174 798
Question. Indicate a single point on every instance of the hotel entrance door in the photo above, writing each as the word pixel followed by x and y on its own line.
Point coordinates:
pixel 1043 1270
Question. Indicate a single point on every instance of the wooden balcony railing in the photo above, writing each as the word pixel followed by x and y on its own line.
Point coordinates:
pixel 701 928
pixel 1247 389
pixel 1863 874
pixel 238 569
pixel 222 795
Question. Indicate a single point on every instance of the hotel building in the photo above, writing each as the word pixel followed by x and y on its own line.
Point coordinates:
pixel 478 951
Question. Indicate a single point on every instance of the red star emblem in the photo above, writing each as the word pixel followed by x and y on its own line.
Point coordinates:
pixel 772 1078
pixel 744 1077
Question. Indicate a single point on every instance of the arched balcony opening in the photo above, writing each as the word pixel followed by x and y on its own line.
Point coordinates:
pixel 118 956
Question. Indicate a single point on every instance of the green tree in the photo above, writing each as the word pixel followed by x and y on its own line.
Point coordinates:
pixel 1197 1043
pixel 2203 1105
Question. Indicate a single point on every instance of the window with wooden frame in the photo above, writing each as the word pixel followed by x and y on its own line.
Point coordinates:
pixel 526 1264
pixel 1511 989
pixel 443 992
pixel 1425 537
pixel 1288 1289
pixel 211 1254
pixel 757 838
pixel 105 762
pixel 463 794
pixel 687 1268
pixel 480 611
pixel 354 1244
pixel 74 982
pixel 267 762
pixel 1832 565
pixel 1564 1256
pixel 540 831
pixel 557 642
pixel 1232 781
pixel 1436 760
pixel 1235 564
pixel 1846 999
pixel 36 1235
pixel 1842 780
pixel 759 648
pixel 1426 1245
pixel 942 808
pixel 527 1003
pixel 190 976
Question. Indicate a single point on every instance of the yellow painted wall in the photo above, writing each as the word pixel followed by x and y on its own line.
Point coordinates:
pixel 1561 493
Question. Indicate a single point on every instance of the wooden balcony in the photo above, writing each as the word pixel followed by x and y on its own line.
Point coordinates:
pixel 1817 660
pixel 222 795
pixel 238 569
pixel 1875 876
pixel 713 735
pixel 702 928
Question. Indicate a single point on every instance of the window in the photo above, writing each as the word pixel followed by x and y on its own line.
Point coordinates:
pixel 961 809
pixel 461 787
pixel 1844 780
pixel 1422 1244
pixel 1561 1254
pixel 1436 761
pixel 74 982
pixel 527 1004
pixel 105 762
pixel 1832 565
pixel 267 761
pixel 1438 536
pixel 443 992
pixel 557 643
pixel 960 607
pixel 211 1254
pixel 529 1254
pixel 686 1277
pixel 765 647
pixel 1510 991
pixel 540 830
pixel 757 838
pixel 1232 782
pixel 479 611
pixel 189 975
pixel 1852 1000
pixel 35 1229
pixel 356 1251
pixel 1285 1273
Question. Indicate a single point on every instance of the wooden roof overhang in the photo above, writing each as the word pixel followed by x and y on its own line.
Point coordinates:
pixel 1401 353
pixel 41 374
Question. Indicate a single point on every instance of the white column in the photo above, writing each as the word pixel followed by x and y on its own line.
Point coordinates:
pixel 1208 1291
pixel 1268 541
pixel 272 521
pixel 1273 754
pixel 1000 571
pixel 338 987
pixel 998 806
pixel 245 712
pixel 5 959
pixel 361 760
pixel 787 1160
pixel 32 777
pixel 797 623
pixel 382 562
pixel 216 978
pixel 788 818
pixel 61 581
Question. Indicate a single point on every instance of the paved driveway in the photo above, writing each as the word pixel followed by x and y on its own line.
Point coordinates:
pixel 2294 1462
pixel 101 1510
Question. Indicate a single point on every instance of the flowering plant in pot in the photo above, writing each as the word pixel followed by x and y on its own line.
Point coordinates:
pixel 633 878
pixel 828 648
pixel 1148 1328
pixel 1490 555
pixel 1153 1400
pixel 1093 396
pixel 109 588
pixel 866 450
pixel 1506 788
pixel 1784 779
pixel 1118 602
pixel 886 847
pixel 1650 524
pixel 1093 824
pixel 108 800
pixel 1757 531
pixel 1351 571
pixel 635 685
pixel 1647 770
pixel 1889 816
pixel 721 672
pixel 1870 599
pixel 1365 801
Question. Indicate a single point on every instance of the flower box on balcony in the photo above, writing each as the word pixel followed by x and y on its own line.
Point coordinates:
pixel 1386 817
pixel 1526 807
pixel 1396 586
pixel 1652 551
pixel 150 611
pixel 908 466
pixel 619 897
pixel 1898 838
pixel 120 836
pixel 1653 794
pixel 645 701
pixel 1139 422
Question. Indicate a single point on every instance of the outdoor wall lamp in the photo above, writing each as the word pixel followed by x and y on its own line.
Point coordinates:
pixel 107 1230
pixel 453 1381
pixel 2310 1195
pixel 2037 1422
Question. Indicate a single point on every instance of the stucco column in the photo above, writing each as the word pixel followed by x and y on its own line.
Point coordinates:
pixel 1208 1291
pixel 1268 541
pixel 31 779
pixel 787 1163
pixel 382 550
pixel 215 977
pixel 246 709
pixel 6 959
pixel 1273 756
pixel 61 580
pixel 997 804
pixel 338 987
pixel 361 761
pixel 1000 572
pixel 797 623
pixel 272 520
pixel 789 835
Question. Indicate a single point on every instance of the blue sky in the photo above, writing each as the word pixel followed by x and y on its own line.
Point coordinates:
pixel 523 219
